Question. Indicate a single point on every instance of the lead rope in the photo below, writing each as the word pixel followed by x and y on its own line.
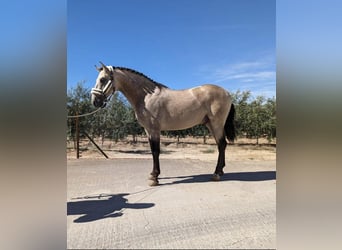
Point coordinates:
pixel 74 116
pixel 100 92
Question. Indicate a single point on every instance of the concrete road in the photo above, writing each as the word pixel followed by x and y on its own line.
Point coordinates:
pixel 110 205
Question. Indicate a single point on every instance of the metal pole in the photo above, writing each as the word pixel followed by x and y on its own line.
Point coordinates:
pixel 95 144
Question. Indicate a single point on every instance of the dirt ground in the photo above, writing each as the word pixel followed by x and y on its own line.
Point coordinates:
pixel 187 148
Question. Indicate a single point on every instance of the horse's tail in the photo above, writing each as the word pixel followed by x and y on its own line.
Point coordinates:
pixel 229 127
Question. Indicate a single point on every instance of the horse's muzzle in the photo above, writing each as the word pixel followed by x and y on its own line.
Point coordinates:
pixel 99 102
pixel 99 99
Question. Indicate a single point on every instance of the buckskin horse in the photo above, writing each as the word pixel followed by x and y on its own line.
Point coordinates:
pixel 159 108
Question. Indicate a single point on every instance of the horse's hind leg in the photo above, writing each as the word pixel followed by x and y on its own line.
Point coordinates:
pixel 221 145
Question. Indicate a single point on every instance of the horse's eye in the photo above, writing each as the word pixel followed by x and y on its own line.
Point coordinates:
pixel 103 80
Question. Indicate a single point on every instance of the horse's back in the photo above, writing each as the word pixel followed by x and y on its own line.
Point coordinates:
pixel 212 94
pixel 214 89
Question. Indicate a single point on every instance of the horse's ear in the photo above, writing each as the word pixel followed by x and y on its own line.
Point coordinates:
pixel 98 69
pixel 105 68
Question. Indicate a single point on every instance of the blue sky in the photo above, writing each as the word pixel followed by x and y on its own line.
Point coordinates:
pixel 180 43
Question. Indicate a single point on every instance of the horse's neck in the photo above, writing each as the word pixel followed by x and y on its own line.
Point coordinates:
pixel 132 88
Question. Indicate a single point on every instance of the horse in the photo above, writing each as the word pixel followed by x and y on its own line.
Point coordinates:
pixel 159 108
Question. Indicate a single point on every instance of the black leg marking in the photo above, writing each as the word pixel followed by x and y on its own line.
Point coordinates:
pixel 221 158
pixel 155 148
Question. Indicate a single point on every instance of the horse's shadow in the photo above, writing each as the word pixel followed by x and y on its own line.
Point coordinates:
pixel 239 176
pixel 101 207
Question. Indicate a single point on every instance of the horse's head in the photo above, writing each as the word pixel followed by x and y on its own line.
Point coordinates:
pixel 104 86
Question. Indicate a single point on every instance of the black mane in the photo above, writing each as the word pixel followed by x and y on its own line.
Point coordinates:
pixel 141 74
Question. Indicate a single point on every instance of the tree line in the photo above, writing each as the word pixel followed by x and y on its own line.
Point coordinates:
pixel 255 117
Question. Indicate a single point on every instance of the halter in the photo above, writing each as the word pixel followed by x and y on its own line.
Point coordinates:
pixel 101 92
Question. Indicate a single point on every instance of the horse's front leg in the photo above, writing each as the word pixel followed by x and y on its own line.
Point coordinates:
pixel 155 148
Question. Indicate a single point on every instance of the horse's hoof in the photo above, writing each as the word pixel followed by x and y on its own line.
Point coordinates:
pixel 152 178
pixel 153 183
pixel 215 177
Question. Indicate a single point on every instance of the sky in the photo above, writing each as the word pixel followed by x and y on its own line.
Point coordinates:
pixel 179 43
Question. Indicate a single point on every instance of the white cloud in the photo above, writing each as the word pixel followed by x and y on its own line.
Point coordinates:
pixel 257 76
pixel 248 77
pixel 245 71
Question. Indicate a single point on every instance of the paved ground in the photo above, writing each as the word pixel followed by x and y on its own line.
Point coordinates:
pixel 110 205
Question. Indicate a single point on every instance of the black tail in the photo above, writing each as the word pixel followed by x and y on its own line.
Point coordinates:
pixel 229 127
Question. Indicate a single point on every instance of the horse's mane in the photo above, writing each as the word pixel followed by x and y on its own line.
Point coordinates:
pixel 141 74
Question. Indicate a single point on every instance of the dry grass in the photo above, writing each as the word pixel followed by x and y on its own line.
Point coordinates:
pixel 187 148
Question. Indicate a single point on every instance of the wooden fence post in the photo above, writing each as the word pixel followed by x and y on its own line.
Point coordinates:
pixel 77 138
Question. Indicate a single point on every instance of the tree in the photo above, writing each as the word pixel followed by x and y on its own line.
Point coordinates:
pixel 242 111
pixel 119 118
pixel 78 102
pixel 200 130
pixel 258 117
pixel 132 126
pixel 271 124
pixel 255 117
